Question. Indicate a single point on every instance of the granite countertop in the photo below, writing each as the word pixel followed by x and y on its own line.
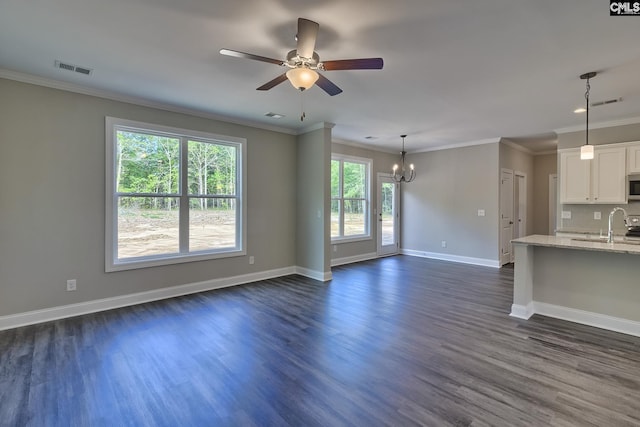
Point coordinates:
pixel 619 246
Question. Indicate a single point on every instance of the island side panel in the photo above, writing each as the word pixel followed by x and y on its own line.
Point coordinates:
pixel 523 281
pixel 592 281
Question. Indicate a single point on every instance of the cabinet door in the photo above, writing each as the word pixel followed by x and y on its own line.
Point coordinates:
pixel 633 159
pixel 575 178
pixel 609 174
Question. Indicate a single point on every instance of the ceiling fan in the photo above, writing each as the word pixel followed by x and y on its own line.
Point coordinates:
pixel 304 62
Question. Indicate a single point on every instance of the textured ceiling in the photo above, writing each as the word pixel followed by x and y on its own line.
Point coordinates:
pixel 455 72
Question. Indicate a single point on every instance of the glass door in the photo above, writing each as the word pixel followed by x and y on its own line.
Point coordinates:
pixel 388 215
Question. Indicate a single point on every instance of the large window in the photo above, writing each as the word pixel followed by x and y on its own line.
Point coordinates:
pixel 350 178
pixel 172 195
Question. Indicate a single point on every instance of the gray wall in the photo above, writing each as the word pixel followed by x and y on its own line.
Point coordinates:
pixel 543 166
pixel 313 194
pixel 52 201
pixel 382 162
pixel 519 161
pixel 443 202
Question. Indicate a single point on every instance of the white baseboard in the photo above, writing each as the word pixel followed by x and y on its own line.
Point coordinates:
pixel 314 274
pixel 597 320
pixel 352 259
pixel 453 258
pixel 522 311
pixel 60 312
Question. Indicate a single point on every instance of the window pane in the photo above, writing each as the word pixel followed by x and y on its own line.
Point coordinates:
pixel 212 223
pixel 335 178
pixel 354 180
pixel 147 226
pixel 388 215
pixel 147 163
pixel 354 217
pixel 335 218
pixel 212 168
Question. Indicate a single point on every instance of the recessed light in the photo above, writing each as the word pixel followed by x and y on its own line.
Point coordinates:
pixel 274 115
pixel 370 137
pixel 580 110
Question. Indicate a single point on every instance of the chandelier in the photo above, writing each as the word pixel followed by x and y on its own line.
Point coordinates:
pixel 400 173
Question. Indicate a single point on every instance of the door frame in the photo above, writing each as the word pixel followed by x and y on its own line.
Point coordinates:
pixel 520 222
pixel 505 250
pixel 387 249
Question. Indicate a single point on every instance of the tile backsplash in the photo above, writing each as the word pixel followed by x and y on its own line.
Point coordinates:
pixel 582 217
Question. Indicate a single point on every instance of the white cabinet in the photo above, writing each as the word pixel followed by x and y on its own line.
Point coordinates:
pixel 633 158
pixel 601 180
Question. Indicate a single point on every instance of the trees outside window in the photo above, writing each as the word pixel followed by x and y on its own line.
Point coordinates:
pixel 350 197
pixel 172 195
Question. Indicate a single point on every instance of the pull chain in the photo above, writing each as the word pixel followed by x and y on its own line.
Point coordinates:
pixel 302 115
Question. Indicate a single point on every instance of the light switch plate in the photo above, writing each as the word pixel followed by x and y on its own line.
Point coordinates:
pixel 480 212
pixel 597 215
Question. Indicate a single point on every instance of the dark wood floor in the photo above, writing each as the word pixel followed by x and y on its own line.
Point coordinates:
pixel 395 341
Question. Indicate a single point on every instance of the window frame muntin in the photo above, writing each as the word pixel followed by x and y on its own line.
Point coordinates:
pixel 112 263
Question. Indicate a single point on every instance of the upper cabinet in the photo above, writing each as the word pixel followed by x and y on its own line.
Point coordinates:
pixel 633 158
pixel 601 180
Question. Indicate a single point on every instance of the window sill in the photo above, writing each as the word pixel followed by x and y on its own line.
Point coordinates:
pixel 340 240
pixel 137 263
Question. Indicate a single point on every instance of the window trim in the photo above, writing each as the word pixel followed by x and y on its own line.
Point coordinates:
pixel 112 263
pixel 367 199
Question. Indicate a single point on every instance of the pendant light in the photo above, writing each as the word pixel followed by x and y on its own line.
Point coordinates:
pixel 400 173
pixel 586 151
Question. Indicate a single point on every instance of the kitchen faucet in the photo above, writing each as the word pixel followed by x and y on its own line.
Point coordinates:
pixel 613 211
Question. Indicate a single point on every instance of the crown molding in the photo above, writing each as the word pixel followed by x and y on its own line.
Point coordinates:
pixel 459 145
pixel 600 125
pixel 130 99
pixel 365 146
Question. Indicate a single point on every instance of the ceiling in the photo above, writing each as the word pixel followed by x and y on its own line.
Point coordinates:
pixel 455 73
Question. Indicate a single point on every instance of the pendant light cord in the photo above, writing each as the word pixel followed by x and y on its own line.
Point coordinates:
pixel 586 96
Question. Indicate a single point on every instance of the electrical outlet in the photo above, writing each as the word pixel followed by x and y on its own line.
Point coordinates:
pixel 335 248
pixel 444 243
pixel 71 285
pixel 566 214
pixel 597 215
pixel 252 260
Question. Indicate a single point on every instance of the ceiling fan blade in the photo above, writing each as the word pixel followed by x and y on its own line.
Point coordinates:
pixel 327 85
pixel 238 54
pixel 354 64
pixel 307 34
pixel 275 82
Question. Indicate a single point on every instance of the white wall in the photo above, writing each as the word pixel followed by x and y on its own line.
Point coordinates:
pixel 442 204
pixel 52 201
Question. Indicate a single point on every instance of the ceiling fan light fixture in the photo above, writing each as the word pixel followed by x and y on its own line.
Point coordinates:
pixel 302 78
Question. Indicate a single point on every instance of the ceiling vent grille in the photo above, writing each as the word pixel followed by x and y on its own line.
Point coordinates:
pixel 75 68
pixel 607 102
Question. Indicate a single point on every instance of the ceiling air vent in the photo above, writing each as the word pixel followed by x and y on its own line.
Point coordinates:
pixel 607 102
pixel 70 67
pixel 274 115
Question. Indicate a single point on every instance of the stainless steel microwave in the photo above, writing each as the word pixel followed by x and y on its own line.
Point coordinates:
pixel 634 186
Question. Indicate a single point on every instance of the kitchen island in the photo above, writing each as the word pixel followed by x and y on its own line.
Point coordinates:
pixel 589 282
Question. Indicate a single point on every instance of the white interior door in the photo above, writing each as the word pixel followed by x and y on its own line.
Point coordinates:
pixel 506 215
pixel 388 215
